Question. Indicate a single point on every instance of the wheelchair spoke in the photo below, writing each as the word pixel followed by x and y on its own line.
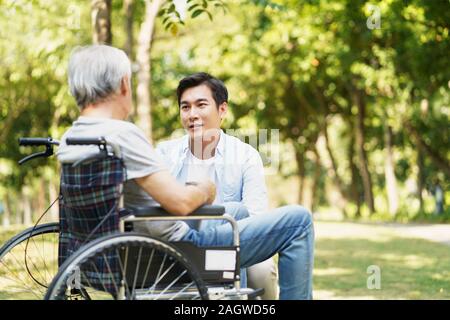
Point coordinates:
pixel 38 251
pixel 16 259
pixel 137 270
pixel 165 273
pixel 28 263
pixel 99 276
pixel 22 281
pixel 27 289
pixel 158 274
pixel 28 258
pixel 162 276
pixel 43 257
pixel 124 280
pixel 182 290
pixel 86 278
pixel 55 255
pixel 17 273
pixel 147 269
pixel 171 284
pixel 110 272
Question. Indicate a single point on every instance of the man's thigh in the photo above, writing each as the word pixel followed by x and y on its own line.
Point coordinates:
pixel 260 236
pixel 235 209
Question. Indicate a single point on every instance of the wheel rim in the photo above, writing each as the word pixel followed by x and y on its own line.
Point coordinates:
pixel 130 266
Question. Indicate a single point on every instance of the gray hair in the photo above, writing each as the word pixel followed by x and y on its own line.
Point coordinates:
pixel 95 72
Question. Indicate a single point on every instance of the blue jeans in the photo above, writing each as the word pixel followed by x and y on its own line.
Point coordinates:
pixel 287 231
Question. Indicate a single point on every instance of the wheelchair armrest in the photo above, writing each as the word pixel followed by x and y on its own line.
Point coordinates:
pixel 155 211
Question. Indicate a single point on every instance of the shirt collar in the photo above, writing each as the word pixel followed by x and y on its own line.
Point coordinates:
pixel 219 149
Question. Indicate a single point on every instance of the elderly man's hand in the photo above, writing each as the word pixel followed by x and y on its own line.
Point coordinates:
pixel 210 190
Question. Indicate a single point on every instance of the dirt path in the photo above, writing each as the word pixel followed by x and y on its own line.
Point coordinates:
pixel 432 232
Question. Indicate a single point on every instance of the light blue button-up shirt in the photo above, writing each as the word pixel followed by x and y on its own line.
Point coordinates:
pixel 238 166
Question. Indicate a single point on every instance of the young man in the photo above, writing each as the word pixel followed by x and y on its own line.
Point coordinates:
pixel 206 152
pixel 99 79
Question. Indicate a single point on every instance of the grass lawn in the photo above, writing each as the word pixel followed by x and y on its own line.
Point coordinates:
pixel 411 268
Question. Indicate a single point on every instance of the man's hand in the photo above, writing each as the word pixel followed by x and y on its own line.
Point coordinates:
pixel 209 189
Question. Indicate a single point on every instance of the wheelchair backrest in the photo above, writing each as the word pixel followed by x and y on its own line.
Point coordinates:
pixel 89 204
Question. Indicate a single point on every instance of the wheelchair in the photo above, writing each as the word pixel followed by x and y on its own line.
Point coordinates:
pixel 94 253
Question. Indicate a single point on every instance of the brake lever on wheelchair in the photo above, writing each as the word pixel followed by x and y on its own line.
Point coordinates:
pixel 48 142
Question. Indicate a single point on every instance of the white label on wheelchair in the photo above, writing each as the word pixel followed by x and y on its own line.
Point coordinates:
pixel 220 260
pixel 228 275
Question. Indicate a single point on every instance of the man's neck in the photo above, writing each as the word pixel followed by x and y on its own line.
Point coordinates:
pixel 105 109
pixel 204 147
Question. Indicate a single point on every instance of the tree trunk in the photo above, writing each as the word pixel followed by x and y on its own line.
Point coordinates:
pixel 316 179
pixel 40 205
pixel 389 172
pixel 362 154
pixel 26 206
pixel 420 177
pixel 355 179
pixel 337 179
pixel 144 119
pixel 16 208
pixel 129 12
pixel 101 21
pixel 53 194
pixel 6 222
pixel 301 174
pixel 441 163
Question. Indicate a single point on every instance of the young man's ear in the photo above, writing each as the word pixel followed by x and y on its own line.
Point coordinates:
pixel 223 108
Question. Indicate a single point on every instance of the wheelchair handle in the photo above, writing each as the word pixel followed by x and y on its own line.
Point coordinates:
pixel 100 142
pixel 38 142
pixel 86 141
pixel 47 142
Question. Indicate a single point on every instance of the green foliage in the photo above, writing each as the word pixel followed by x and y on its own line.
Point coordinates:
pixel 36 39
pixel 288 64
pixel 171 17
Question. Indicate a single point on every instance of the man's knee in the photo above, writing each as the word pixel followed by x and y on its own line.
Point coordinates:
pixel 300 215
pixel 237 210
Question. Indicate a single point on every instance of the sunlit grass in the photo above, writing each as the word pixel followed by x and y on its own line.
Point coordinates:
pixel 410 268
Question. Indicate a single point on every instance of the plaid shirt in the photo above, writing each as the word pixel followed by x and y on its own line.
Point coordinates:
pixel 89 209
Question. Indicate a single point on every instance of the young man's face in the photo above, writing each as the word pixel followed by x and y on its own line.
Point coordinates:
pixel 199 113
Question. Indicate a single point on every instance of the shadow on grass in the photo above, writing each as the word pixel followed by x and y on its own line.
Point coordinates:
pixel 410 268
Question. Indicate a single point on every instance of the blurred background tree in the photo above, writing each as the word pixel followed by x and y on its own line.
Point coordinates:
pixel 362 109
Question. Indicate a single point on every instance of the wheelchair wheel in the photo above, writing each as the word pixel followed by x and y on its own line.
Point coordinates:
pixel 127 266
pixel 28 262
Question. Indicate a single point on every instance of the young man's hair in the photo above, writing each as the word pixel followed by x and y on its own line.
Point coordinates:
pixel 217 87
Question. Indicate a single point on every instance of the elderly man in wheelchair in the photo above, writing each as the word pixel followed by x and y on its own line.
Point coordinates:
pixel 123 230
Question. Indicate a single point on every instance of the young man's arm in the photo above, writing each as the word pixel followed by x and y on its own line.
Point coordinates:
pixel 176 198
pixel 254 191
